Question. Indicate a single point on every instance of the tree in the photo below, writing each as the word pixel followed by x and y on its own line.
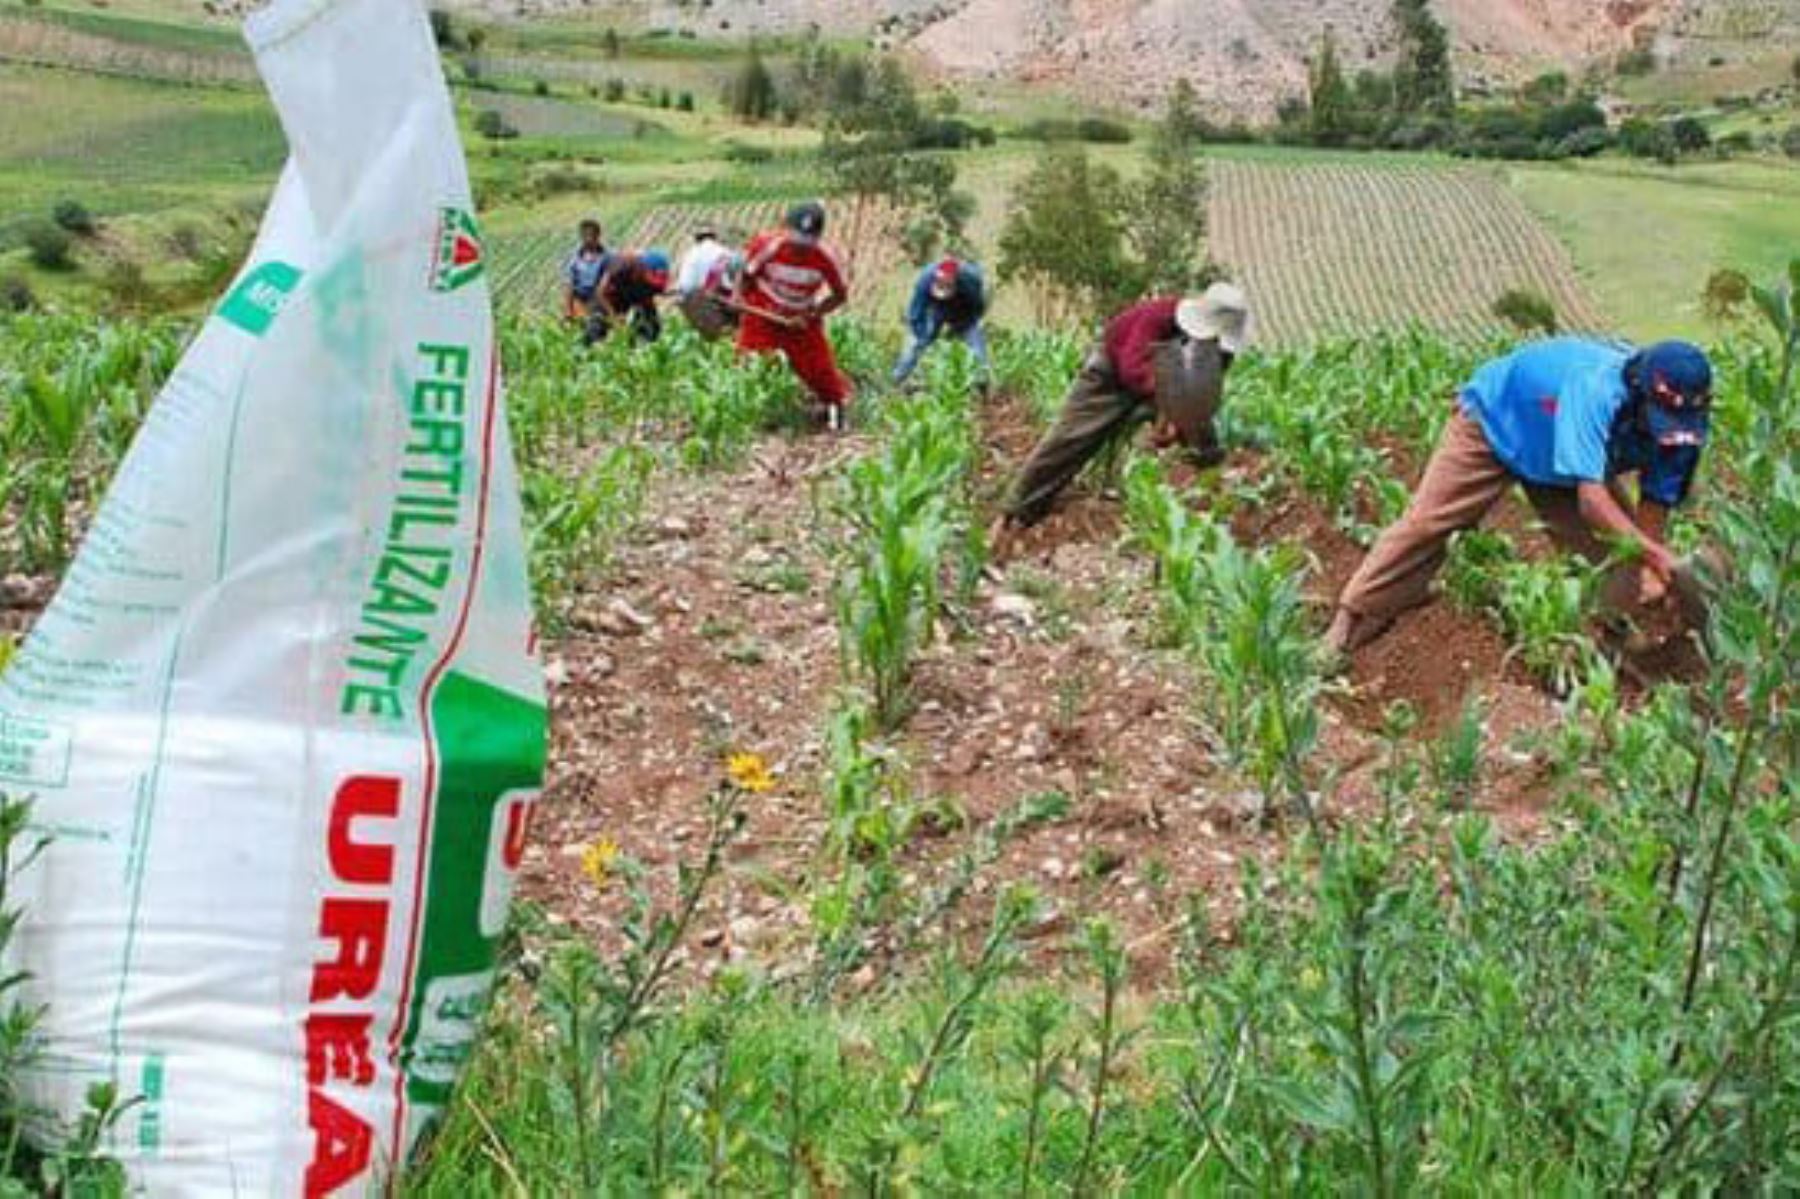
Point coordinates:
pixel 1181 116
pixel 609 42
pixel 875 154
pixel 1552 87
pixel 753 93
pixel 1790 141
pixel 1333 107
pixel 1423 80
pixel 1064 235
pixel 1168 205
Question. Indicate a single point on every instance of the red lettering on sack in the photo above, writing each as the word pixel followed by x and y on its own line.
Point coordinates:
pixel 337 1047
pixel 353 923
pixel 359 926
pixel 351 862
pixel 342 1143
pixel 518 822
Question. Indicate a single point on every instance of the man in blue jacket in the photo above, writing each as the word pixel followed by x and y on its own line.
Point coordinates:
pixel 1573 421
pixel 948 298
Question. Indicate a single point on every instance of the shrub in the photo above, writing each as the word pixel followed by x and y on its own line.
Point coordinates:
pixel 491 123
pixel 685 101
pixel 189 241
pixel 1790 141
pixel 443 28
pixel 1527 310
pixel 127 287
pixel 1638 62
pixel 615 91
pixel 747 155
pixel 49 246
pixel 1584 143
pixel 540 87
pixel 16 295
pixel 1727 291
pixel 1641 138
pixel 1690 135
pixel 1088 129
pixel 74 216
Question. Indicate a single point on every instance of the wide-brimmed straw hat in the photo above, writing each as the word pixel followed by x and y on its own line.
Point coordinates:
pixel 1222 312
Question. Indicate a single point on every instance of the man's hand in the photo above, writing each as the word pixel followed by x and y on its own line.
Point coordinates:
pixel 1653 589
pixel 1164 434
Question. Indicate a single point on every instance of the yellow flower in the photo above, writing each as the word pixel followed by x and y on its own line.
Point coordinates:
pixel 598 859
pixel 749 772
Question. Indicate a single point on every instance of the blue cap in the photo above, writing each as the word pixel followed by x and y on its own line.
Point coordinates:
pixel 1673 380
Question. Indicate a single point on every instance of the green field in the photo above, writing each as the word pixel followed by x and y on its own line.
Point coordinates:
pixel 126 146
pixel 1646 238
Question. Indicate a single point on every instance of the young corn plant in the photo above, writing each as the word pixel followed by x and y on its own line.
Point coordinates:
pixel 1241 614
pixel 575 525
pixel 1544 607
pixel 906 508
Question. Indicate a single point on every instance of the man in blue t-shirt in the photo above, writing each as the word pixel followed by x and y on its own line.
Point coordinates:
pixel 582 275
pixel 949 297
pixel 1571 420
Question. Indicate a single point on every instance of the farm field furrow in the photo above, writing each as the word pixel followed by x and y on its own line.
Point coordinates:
pixel 1341 247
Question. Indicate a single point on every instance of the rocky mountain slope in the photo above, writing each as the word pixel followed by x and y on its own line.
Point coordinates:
pixel 1242 55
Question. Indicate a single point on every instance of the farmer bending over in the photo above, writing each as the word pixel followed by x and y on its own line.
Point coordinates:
pixel 948 298
pixel 1165 358
pixel 706 282
pixel 790 283
pixel 628 291
pixel 1570 420
pixel 581 278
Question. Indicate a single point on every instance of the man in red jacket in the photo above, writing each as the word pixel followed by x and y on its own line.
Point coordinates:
pixel 1164 358
pixel 790 283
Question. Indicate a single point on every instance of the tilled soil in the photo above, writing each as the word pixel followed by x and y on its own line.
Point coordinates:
pixel 716 632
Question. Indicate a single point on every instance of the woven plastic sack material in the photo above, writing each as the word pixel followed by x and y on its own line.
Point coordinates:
pixel 283 720
pixel 1189 378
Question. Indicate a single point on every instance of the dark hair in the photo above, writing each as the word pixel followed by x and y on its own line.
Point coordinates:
pixel 589 223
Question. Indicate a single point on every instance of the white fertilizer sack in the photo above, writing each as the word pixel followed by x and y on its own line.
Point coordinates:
pixel 283 720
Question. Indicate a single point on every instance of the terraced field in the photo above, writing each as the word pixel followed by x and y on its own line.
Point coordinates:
pixel 1330 247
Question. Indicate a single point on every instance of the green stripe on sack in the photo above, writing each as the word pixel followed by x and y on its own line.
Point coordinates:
pixel 256 301
pixel 491 748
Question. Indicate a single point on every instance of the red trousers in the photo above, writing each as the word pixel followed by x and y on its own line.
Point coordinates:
pixel 806 349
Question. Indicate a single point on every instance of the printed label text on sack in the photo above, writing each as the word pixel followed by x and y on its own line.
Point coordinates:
pixel 417 557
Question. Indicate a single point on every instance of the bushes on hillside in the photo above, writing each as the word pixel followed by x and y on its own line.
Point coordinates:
pixel 1099 130
pixel 492 124
pixel 1527 310
pixel 49 246
pixel 74 216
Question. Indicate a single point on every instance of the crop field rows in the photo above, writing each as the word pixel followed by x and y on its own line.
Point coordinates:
pixel 45 43
pixel 528 264
pixel 1339 248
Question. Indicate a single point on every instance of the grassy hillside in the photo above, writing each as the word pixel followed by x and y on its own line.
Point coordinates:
pixel 1646 238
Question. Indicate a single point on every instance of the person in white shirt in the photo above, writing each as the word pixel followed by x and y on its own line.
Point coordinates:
pixel 699 261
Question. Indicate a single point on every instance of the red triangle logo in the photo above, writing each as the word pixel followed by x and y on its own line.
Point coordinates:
pixel 465 251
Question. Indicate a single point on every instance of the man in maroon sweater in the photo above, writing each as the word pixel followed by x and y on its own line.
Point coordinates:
pixel 1185 345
